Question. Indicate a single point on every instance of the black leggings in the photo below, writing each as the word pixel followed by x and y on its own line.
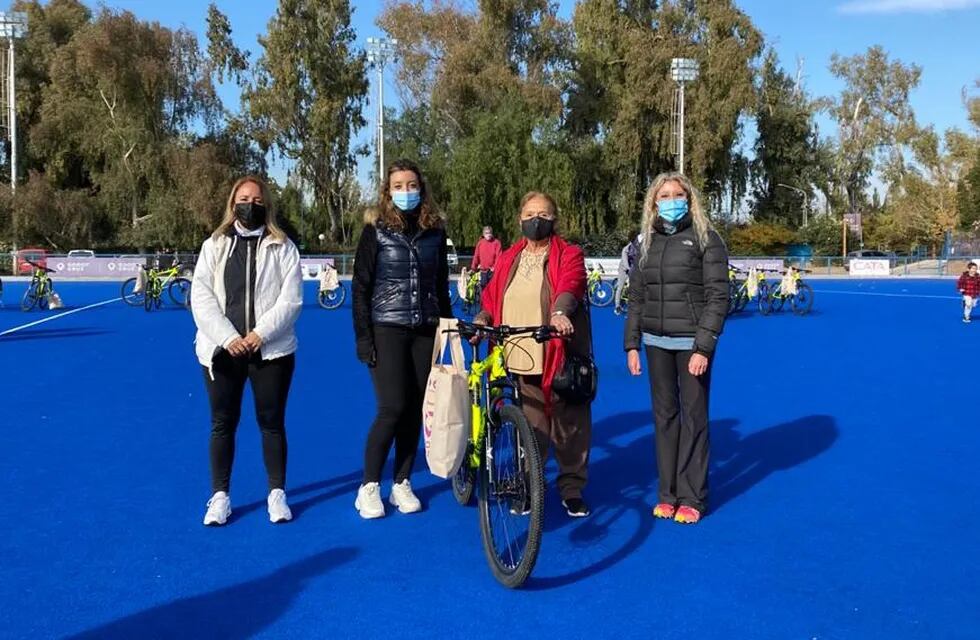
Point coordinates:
pixel 680 411
pixel 404 358
pixel 270 385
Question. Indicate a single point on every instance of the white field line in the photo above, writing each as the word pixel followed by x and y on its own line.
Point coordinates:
pixel 887 295
pixel 60 315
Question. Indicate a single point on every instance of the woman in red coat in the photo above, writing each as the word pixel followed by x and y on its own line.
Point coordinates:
pixel 541 280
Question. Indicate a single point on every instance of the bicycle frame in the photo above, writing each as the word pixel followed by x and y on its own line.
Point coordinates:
pixel 484 378
pixel 161 278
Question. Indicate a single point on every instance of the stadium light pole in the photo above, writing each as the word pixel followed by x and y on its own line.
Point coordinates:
pixel 683 71
pixel 13 25
pixel 806 199
pixel 380 51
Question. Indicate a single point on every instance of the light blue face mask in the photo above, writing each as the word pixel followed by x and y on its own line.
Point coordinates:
pixel 406 200
pixel 672 211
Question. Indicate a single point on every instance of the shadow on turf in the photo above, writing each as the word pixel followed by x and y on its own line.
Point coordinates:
pixel 345 484
pixel 239 611
pixel 619 483
pixel 740 463
pixel 50 334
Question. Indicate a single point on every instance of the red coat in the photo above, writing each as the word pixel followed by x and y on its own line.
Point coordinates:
pixel 565 273
pixel 969 285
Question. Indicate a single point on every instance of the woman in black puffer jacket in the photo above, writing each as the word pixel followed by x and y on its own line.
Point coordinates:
pixel 677 307
pixel 401 289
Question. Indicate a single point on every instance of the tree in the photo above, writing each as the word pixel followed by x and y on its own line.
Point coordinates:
pixel 307 95
pixel 874 118
pixel 785 149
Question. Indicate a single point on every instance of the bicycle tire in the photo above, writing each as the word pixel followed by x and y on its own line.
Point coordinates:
pixel 520 555
pixel 334 299
pixel 765 299
pixel 30 297
pixel 803 300
pixel 601 295
pixel 132 298
pixel 180 292
pixel 464 482
pixel 148 298
pixel 778 301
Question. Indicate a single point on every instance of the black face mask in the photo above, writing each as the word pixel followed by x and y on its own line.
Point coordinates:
pixel 252 215
pixel 537 228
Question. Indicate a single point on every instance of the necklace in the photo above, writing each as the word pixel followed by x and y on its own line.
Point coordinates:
pixel 530 263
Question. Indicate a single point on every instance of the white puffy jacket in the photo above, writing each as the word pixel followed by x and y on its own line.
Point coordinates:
pixel 278 297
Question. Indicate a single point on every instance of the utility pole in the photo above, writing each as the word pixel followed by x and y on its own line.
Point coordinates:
pixel 13 25
pixel 682 71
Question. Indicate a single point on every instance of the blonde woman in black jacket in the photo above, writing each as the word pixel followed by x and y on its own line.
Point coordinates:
pixel 677 308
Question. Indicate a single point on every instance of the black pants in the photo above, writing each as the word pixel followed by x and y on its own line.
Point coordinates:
pixel 680 412
pixel 270 385
pixel 403 360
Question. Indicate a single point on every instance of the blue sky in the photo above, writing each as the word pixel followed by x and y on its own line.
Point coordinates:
pixel 939 35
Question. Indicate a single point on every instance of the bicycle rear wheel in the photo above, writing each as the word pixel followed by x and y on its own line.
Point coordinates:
pixel 129 294
pixel 778 300
pixel 464 481
pixel 332 299
pixel 511 497
pixel 180 292
pixel 601 295
pixel 803 300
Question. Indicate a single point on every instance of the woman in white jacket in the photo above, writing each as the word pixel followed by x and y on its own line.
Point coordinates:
pixel 246 297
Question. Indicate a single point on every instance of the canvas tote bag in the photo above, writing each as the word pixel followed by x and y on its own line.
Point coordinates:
pixel 446 405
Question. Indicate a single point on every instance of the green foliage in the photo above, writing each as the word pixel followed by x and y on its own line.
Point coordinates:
pixel 759 239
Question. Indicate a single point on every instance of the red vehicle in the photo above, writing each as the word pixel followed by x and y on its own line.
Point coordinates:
pixel 22 266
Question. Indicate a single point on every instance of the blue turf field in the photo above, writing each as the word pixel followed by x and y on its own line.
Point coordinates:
pixel 843 505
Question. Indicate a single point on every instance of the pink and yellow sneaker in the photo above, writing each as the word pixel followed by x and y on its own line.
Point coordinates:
pixel 664 510
pixel 687 515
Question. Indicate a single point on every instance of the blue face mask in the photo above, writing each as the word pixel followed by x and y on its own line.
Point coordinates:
pixel 672 211
pixel 406 200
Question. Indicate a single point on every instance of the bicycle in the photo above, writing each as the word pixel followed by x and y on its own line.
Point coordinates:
pixel 40 290
pixel 801 302
pixel 473 300
pixel 738 294
pixel 502 453
pixel 600 291
pixel 151 294
pixel 332 295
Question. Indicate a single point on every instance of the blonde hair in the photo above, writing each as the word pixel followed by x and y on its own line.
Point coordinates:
pixel 702 225
pixel 228 220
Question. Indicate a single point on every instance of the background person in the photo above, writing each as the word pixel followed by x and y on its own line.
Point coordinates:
pixel 246 296
pixel 969 287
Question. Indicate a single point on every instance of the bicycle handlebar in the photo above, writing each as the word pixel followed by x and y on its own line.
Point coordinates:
pixel 39 267
pixel 541 333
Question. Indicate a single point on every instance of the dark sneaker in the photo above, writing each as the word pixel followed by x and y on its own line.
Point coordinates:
pixel 521 506
pixel 575 507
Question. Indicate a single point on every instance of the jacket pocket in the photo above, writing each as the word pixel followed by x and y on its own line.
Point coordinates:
pixel 691 309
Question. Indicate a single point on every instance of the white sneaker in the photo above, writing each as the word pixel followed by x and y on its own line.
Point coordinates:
pixel 403 498
pixel 368 502
pixel 219 509
pixel 278 509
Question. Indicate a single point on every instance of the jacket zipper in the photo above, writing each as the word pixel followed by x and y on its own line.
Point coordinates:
pixel 248 286
pixel 662 255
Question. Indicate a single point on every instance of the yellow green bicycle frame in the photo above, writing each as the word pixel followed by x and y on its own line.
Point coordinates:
pixel 492 366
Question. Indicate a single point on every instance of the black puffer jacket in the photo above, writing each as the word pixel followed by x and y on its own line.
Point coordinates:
pixel 401 278
pixel 679 290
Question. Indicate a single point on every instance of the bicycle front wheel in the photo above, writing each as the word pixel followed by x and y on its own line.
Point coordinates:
pixel 30 298
pixel 332 299
pixel 511 497
pixel 778 300
pixel 129 294
pixel 180 292
pixel 765 299
pixel 148 298
pixel 601 295
pixel 803 300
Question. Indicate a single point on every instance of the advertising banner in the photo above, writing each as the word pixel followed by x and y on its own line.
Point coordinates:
pixel 865 267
